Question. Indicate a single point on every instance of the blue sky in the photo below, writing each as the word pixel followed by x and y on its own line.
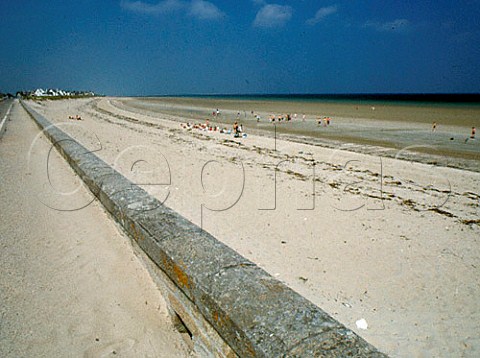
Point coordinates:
pixel 241 46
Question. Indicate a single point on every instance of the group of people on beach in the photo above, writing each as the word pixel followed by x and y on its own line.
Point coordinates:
pixel 325 121
pixel 76 117
pixel 237 128
pixel 200 126
pixel 285 117
pixel 472 133
pixel 281 117
pixel 321 121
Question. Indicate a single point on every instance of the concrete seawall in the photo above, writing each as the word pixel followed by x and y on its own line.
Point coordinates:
pixel 226 303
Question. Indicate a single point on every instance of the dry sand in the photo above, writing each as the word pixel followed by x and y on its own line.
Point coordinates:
pixel 70 284
pixel 362 236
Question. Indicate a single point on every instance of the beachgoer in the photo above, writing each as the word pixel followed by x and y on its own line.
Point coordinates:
pixel 303 118
pixel 472 136
pixel 434 126
pixel 236 131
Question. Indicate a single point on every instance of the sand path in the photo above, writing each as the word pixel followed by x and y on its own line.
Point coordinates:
pixel 70 283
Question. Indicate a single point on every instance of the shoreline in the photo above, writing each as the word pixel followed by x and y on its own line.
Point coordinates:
pixel 385 110
pixel 364 133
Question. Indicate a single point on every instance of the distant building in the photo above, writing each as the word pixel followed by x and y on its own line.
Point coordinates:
pixel 40 92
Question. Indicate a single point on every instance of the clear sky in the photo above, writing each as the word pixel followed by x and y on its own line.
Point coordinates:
pixel 241 46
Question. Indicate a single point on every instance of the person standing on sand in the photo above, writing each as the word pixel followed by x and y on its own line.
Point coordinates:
pixel 434 126
pixel 472 134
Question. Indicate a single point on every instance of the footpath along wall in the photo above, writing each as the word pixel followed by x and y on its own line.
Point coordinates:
pixel 3 120
pixel 229 306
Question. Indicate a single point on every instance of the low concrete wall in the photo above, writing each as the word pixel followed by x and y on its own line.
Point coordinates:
pixel 229 305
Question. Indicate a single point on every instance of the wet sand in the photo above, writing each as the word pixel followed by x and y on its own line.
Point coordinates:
pixel 395 242
pixel 452 114
pixel 402 128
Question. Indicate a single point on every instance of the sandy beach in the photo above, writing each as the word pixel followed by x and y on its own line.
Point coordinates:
pixel 71 284
pixel 341 217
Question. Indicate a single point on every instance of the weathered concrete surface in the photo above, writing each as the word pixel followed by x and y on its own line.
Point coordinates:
pixel 5 107
pixel 254 313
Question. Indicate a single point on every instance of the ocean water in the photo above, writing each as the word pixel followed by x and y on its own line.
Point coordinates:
pixel 412 99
